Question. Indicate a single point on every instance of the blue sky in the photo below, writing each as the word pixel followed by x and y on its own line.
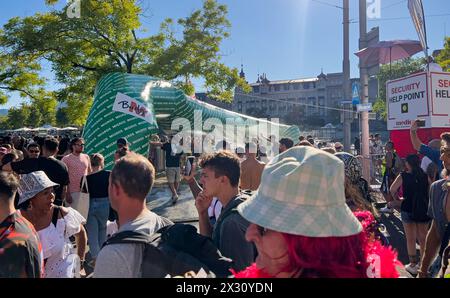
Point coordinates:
pixel 285 39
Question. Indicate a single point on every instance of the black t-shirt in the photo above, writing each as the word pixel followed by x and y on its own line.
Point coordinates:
pixel 55 170
pixel 98 184
pixel 172 159
pixel 414 188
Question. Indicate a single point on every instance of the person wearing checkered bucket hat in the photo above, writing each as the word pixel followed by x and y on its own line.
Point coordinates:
pixel 302 226
pixel 54 224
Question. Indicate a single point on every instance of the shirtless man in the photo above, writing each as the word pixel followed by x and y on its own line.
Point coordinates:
pixel 251 169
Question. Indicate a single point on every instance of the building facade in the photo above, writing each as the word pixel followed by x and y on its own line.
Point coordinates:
pixel 314 100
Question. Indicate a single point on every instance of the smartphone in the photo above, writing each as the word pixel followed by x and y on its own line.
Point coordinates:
pixel 188 167
pixel 420 122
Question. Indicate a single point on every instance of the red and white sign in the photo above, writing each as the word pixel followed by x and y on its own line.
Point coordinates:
pixel 130 106
pixel 440 99
pixel 407 100
pixel 422 95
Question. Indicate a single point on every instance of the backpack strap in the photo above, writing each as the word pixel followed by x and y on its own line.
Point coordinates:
pixel 131 237
pixel 56 210
pixel 230 210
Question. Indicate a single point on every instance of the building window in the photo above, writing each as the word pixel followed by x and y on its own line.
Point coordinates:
pixel 296 86
pixel 306 85
pixel 277 87
pixel 256 89
pixel 286 86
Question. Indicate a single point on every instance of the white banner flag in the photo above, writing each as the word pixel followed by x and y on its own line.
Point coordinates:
pixel 416 10
pixel 130 106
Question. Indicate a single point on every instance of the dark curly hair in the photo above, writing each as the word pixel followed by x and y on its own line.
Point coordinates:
pixel 223 163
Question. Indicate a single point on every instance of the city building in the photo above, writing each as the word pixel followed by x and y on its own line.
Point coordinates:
pixel 311 101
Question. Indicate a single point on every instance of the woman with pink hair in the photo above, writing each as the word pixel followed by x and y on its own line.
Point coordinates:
pixel 302 227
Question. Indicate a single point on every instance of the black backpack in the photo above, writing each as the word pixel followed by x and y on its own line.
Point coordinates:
pixel 175 250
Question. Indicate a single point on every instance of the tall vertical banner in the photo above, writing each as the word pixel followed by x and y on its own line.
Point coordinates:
pixel 418 17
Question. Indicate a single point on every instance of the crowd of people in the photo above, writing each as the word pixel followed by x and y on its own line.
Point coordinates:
pixel 290 209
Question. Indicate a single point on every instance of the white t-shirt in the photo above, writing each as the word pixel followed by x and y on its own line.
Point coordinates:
pixel 57 247
pixel 124 260
pixel 215 208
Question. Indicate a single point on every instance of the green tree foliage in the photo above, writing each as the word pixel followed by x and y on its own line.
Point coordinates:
pixel 3 122
pixel 391 72
pixel 17 117
pixel 45 104
pixel 35 117
pixel 18 72
pixel 444 57
pixel 108 38
pixel 62 118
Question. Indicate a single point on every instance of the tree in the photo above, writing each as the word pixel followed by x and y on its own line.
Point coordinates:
pixel 18 116
pixel 107 38
pixel 18 72
pixel 62 118
pixel 3 122
pixel 45 105
pixel 391 72
pixel 35 117
pixel 444 56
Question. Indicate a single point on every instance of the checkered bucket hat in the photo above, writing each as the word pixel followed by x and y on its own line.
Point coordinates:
pixel 302 193
pixel 33 183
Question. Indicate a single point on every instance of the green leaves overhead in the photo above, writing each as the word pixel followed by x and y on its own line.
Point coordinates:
pixel 18 72
pixel 444 57
pixel 394 71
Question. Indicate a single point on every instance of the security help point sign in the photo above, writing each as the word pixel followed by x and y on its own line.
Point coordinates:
pixel 440 99
pixel 407 100
pixel 422 95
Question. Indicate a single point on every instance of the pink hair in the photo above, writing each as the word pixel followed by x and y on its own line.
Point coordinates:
pixel 328 256
pixel 341 257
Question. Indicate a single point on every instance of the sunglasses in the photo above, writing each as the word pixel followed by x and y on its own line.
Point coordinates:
pixel 34 151
pixel 261 230
pixel 81 145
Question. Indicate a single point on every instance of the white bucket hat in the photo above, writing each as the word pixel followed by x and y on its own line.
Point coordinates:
pixel 33 183
pixel 302 193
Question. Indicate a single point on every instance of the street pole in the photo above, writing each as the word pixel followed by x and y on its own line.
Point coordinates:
pixel 346 77
pixel 364 79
